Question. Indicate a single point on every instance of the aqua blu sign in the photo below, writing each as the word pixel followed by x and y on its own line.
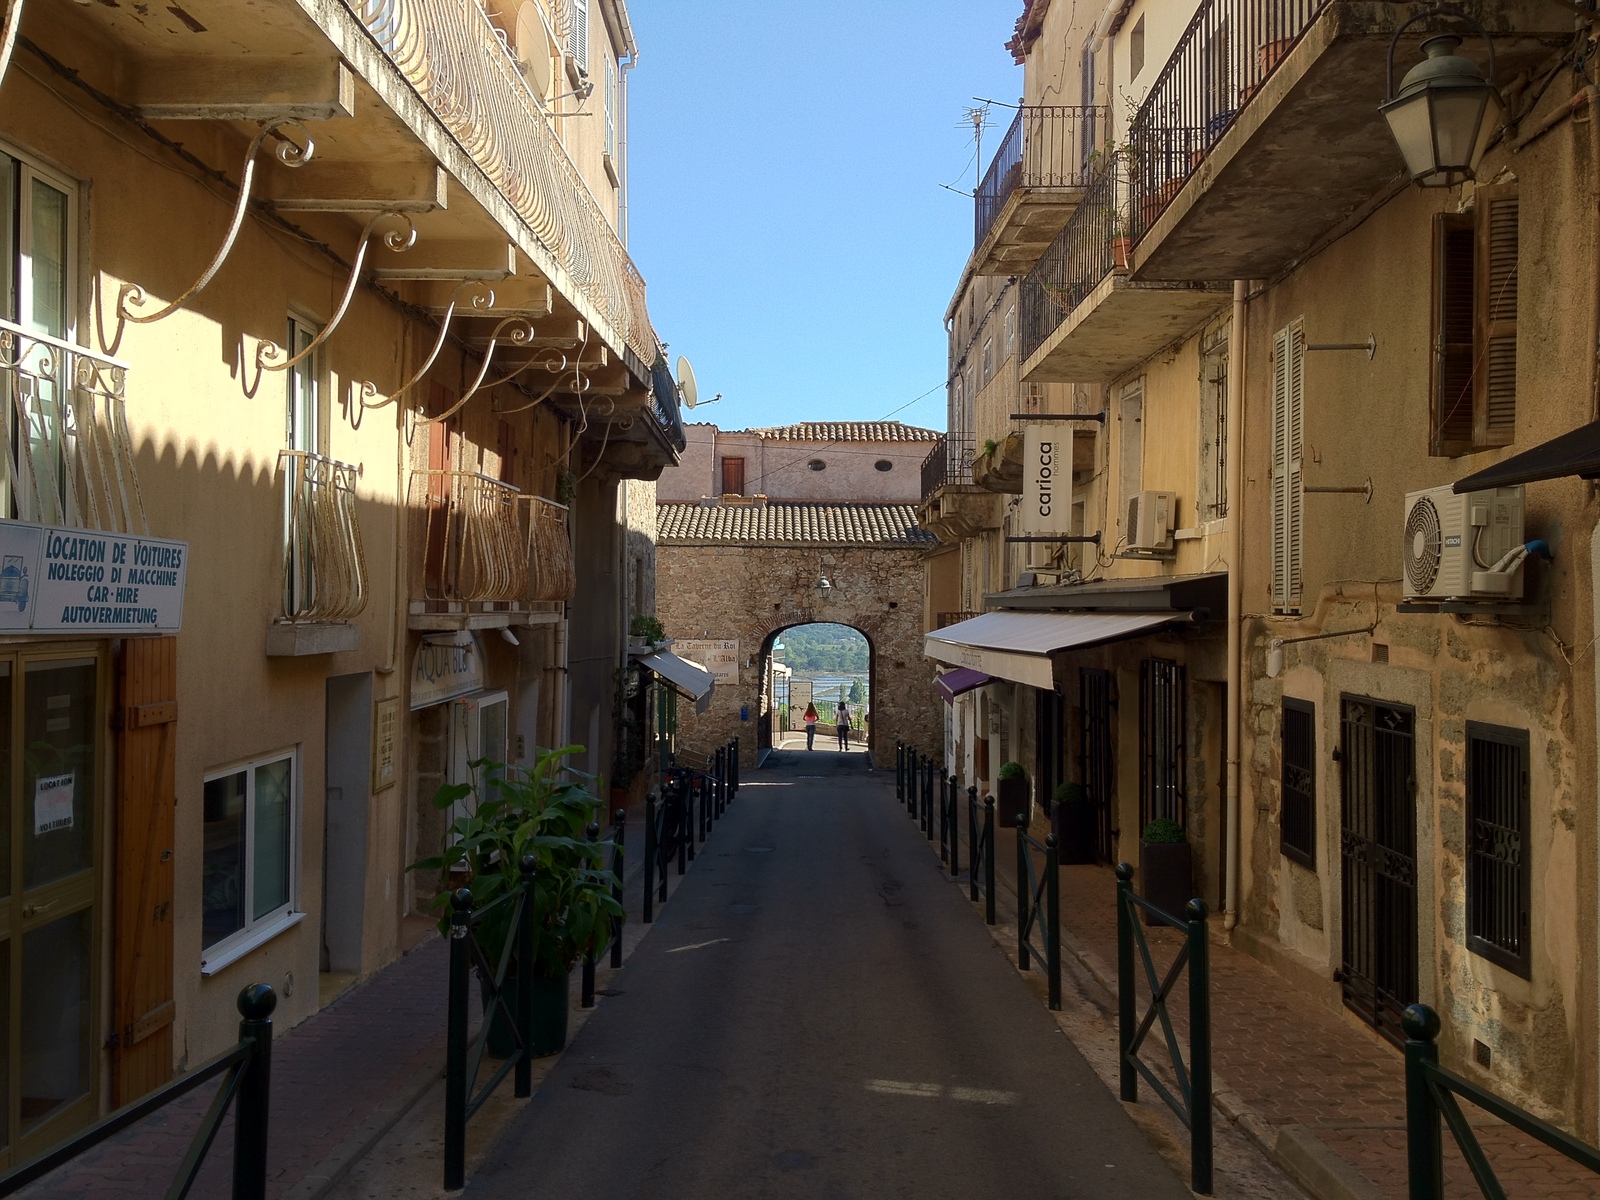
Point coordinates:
pixel 60 580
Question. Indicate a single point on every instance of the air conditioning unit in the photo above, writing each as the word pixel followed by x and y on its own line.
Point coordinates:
pixel 1152 517
pixel 1466 547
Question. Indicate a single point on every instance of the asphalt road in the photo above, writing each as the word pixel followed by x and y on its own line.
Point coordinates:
pixel 819 1014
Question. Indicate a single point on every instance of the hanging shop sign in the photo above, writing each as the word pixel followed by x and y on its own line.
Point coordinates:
pixel 55 579
pixel 446 665
pixel 1046 479
pixel 720 656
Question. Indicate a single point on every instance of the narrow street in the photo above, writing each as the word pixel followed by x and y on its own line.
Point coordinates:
pixel 819 1014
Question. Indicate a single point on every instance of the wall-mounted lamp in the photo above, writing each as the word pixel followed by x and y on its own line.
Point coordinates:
pixel 1446 110
pixel 824 588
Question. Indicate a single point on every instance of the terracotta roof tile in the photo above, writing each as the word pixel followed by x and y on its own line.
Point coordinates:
pixel 847 431
pixel 784 523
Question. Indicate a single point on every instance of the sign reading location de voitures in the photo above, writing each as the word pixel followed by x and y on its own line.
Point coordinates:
pixel 55 579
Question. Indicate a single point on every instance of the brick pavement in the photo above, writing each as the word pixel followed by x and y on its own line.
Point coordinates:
pixel 1290 1060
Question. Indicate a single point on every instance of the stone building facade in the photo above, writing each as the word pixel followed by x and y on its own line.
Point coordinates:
pixel 813 460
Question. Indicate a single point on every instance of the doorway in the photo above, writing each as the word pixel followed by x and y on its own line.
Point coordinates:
pixel 825 664
pixel 479 728
pixel 1378 817
pixel 348 773
pixel 1097 761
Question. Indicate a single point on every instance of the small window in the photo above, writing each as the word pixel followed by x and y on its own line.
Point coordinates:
pixel 883 464
pixel 733 476
pixel 249 868
pixel 1498 876
pixel 1011 331
pixel 816 464
pixel 988 359
pixel 1297 823
pixel 1136 50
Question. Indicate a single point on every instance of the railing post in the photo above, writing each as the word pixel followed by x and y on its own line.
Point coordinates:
pixel 705 806
pixel 455 1054
pixel 690 821
pixel 955 827
pixel 1024 897
pixel 530 917
pixel 944 817
pixel 1199 1049
pixel 972 841
pixel 927 797
pixel 1052 916
pixel 619 827
pixel 252 1106
pixel 900 772
pixel 662 862
pixel 1424 1143
pixel 649 857
pixel 722 779
pixel 1129 1078
pixel 735 768
pixel 685 804
pixel 592 832
pixel 988 860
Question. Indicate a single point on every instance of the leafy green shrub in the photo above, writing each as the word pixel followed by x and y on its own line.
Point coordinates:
pixel 648 628
pixel 1070 794
pixel 1163 832
pixel 1012 770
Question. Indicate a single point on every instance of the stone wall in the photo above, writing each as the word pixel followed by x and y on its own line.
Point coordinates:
pixel 752 592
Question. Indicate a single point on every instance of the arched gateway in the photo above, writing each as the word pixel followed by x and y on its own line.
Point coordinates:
pixel 733 574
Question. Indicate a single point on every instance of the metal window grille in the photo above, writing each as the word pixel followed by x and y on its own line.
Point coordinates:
pixel 1096 761
pixel 1498 883
pixel 1161 741
pixel 1378 850
pixel 1297 824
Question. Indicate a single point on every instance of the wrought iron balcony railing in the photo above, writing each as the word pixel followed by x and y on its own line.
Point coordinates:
pixel 1223 57
pixel 68 454
pixel 457 61
pixel 949 462
pixel 488 543
pixel 324 568
pixel 1047 146
pixel 1093 244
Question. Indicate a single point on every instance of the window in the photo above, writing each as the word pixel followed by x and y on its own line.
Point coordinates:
pixel 1297 822
pixel 1474 390
pixel 988 359
pixel 816 464
pixel 302 432
pixel 733 477
pixel 883 464
pixel 1131 436
pixel 38 250
pixel 249 868
pixel 1136 50
pixel 578 35
pixel 1288 495
pixel 1498 878
pixel 1088 133
pixel 611 108
pixel 1010 332
pixel 1161 741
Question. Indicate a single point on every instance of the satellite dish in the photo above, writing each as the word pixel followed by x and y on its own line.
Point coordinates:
pixel 534 48
pixel 687 391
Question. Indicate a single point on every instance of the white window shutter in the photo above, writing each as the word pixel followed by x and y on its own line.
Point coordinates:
pixel 1288 437
pixel 1296 479
pixel 578 33
pixel 611 108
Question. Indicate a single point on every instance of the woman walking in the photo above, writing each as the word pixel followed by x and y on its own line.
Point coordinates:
pixel 811 727
pixel 843 719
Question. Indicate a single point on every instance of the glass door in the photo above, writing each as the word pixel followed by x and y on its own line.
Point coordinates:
pixel 478 731
pixel 52 721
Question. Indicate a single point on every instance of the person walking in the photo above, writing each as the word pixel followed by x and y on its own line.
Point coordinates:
pixel 843 718
pixel 811 727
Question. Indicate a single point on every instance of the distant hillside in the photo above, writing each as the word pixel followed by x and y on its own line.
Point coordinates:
pixel 825 649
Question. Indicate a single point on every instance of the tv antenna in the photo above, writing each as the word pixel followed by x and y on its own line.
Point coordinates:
pixel 688 390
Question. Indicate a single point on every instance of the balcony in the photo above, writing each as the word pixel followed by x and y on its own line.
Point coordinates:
pixel 953 507
pixel 1262 133
pixel 324 568
pixel 492 557
pixel 69 456
pixel 1084 320
pixel 1033 185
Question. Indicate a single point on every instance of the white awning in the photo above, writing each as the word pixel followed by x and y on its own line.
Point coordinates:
pixel 1018 645
pixel 690 678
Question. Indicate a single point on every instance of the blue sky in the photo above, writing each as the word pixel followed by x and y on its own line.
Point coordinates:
pixel 785 165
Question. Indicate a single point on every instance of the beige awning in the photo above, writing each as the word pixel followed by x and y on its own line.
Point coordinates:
pixel 1018 645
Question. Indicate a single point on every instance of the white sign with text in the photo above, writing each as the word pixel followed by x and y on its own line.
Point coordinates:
pixel 1046 479
pixel 60 580
pixel 720 656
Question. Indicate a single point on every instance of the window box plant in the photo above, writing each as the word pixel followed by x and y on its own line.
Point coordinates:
pixel 1013 794
pixel 646 635
pixel 511 812
pixel 1075 823
pixel 1166 868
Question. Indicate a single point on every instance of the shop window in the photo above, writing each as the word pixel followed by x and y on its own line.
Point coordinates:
pixel 1475 267
pixel 248 875
pixel 1297 822
pixel 1498 880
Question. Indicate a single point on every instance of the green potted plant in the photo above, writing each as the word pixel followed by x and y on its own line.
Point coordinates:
pixel 1012 795
pixel 645 634
pixel 1166 868
pixel 539 811
pixel 1075 823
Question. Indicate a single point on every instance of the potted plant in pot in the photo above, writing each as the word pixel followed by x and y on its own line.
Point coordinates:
pixel 645 635
pixel 1075 823
pixel 538 811
pixel 1012 796
pixel 1166 868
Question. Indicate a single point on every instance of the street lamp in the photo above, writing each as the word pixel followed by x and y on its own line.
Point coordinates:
pixel 1446 111
pixel 823 586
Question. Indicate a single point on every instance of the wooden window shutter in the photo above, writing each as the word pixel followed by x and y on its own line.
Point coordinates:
pixel 1288 436
pixel 1495 390
pixel 1454 300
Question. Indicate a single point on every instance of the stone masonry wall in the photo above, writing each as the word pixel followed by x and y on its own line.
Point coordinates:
pixel 749 592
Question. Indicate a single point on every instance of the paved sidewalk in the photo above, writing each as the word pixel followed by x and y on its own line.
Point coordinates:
pixel 1324 1097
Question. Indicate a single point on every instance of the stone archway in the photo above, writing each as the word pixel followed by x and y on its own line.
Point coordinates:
pixel 769 715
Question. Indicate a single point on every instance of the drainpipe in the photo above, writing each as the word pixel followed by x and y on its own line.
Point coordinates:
pixel 1234 729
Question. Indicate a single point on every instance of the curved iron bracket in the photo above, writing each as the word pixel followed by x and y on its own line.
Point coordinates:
pixel 8 39
pixel 267 353
pixel 478 296
pixel 289 153
pixel 516 330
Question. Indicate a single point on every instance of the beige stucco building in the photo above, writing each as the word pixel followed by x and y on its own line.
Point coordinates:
pixel 812 460
pixel 1386 776
pixel 338 403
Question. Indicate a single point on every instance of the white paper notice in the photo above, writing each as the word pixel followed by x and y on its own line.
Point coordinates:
pixel 52 803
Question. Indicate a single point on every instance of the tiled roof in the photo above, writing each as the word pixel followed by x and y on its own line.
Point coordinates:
pixel 799 523
pixel 847 431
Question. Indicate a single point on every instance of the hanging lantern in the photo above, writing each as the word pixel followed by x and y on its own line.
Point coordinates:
pixel 1446 111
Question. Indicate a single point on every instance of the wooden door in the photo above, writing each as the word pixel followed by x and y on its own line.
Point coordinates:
pixel 142 1011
